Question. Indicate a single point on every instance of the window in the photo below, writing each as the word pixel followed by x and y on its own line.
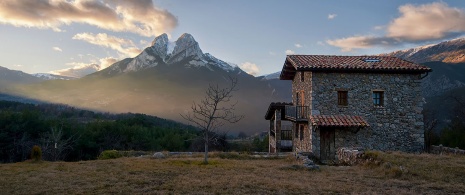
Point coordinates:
pixel 286 135
pixel 378 97
pixel 342 98
pixel 302 76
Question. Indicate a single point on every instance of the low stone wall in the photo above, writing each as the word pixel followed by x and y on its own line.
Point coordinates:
pixel 350 156
pixel 446 150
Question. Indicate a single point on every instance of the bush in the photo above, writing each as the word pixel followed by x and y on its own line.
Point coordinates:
pixel 109 154
pixel 36 153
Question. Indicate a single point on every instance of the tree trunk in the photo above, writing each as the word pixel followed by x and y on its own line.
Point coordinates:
pixel 205 161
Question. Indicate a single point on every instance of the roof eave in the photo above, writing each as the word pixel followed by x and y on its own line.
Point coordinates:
pixel 365 70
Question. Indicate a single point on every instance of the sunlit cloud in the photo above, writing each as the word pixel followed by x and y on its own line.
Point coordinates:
pixel 289 52
pixel 416 24
pixel 57 49
pixel 332 16
pixel 250 68
pixel 298 45
pixel 124 46
pixel 139 16
pixel 106 62
pixel 78 70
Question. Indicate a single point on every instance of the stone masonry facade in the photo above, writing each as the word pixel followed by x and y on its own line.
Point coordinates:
pixel 397 125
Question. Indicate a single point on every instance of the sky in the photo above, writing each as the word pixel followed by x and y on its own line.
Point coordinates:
pixel 77 37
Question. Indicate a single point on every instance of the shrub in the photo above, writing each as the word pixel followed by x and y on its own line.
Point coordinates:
pixel 109 154
pixel 36 153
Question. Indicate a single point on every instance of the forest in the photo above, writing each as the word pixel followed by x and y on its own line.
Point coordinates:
pixel 70 134
pixel 65 133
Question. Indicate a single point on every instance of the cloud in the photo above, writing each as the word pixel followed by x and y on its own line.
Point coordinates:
pixel 250 68
pixel 272 53
pixel 426 22
pixel 416 24
pixel 320 43
pixel 106 62
pixel 289 52
pixel 331 16
pixel 57 49
pixel 379 27
pixel 298 45
pixel 124 46
pixel 78 70
pixel 362 42
pixel 138 16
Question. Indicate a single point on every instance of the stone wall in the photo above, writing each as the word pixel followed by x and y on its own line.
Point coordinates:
pixel 303 145
pixel 398 125
pixel 446 150
pixel 305 86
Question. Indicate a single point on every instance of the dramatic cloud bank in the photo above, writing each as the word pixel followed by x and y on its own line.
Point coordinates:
pixel 136 16
pixel 416 24
pixel 250 68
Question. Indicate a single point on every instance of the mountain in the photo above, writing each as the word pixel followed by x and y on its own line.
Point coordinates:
pixel 10 77
pixel 447 59
pixel 163 52
pixel 272 76
pixel 48 76
pixel 452 51
pixel 164 80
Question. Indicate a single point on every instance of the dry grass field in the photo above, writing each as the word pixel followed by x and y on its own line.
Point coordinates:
pixel 390 173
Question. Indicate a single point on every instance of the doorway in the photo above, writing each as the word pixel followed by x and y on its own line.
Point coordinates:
pixel 327 146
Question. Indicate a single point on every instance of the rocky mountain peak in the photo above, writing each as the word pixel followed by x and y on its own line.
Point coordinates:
pixel 185 46
pixel 160 45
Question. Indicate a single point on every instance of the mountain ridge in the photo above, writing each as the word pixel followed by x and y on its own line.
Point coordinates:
pixel 451 51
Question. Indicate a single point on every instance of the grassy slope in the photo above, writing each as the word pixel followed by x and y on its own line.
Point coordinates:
pixel 420 174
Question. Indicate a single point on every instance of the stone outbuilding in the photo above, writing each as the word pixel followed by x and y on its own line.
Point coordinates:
pixel 373 102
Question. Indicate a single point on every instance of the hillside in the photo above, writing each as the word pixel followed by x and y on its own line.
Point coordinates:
pixel 163 81
pixel 397 173
pixel 452 51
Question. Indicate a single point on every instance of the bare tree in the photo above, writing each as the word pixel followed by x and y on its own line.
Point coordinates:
pixel 430 120
pixel 213 112
pixel 55 145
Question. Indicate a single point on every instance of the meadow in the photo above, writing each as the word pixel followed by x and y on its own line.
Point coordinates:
pixel 232 173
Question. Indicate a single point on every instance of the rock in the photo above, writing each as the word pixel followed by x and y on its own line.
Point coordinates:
pixel 158 155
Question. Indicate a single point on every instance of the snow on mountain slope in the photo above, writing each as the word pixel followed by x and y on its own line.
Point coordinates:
pixel 162 51
pixel 452 51
pixel 48 76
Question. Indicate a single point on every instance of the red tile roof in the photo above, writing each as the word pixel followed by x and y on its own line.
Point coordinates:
pixel 348 63
pixel 338 121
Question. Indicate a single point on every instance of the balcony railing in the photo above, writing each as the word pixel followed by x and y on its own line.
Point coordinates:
pixel 286 135
pixel 297 113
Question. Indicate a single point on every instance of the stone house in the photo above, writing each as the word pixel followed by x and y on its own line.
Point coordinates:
pixel 373 102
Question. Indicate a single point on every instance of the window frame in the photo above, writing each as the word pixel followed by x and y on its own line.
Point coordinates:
pixel 377 98
pixel 343 98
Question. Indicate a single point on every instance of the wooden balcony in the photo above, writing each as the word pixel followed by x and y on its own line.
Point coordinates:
pixel 297 113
